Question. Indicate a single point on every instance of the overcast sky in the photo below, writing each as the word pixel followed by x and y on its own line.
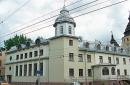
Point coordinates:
pixel 98 25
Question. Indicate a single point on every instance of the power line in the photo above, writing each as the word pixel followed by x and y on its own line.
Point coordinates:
pixel 15 11
pixel 41 20
pixel 81 15
pixel 84 14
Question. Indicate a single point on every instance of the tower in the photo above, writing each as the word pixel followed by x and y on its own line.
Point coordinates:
pixel 64 24
pixel 126 38
pixel 113 41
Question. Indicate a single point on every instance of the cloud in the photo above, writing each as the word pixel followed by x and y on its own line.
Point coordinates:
pixel 92 26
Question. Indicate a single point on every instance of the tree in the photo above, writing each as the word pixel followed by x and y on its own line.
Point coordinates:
pixel 15 41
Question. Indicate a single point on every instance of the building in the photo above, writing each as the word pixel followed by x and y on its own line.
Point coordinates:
pixel 2 62
pixel 65 58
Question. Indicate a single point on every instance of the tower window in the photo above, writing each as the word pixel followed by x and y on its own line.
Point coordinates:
pixel 70 30
pixel 61 29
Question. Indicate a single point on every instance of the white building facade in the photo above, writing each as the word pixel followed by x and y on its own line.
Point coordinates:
pixel 64 59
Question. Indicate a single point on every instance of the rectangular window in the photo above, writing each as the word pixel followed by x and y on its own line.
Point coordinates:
pixel 124 60
pixel 70 42
pixel 41 52
pixel 30 54
pixel 80 56
pixel 35 53
pixel 41 68
pixel 71 56
pixel 25 55
pixel 25 70
pixel 17 57
pixel 109 59
pixel 89 72
pixel 20 71
pixel 30 70
pixel 71 72
pixel 100 59
pixel 89 58
pixel 80 72
pixel 70 30
pixel 117 60
pixel 118 71
pixel 21 56
pixel 35 69
pixel 16 71
pixel 125 72
pixel 61 29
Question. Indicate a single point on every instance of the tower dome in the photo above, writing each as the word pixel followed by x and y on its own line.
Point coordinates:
pixel 64 17
pixel 64 24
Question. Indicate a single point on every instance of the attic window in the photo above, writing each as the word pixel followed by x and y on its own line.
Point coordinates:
pixel 98 47
pixel 114 48
pixel 121 50
pixel 70 30
pixel 87 45
pixel 107 48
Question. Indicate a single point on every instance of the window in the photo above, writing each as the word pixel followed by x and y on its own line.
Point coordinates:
pixel 25 55
pixel 105 71
pixel 100 59
pixel 118 71
pixel 121 50
pixel 20 71
pixel 113 71
pixel 30 70
pixel 114 48
pixel 70 30
pixel 70 42
pixel 98 47
pixel 16 71
pixel 125 72
pixel 117 60
pixel 80 72
pixel 21 56
pixel 10 68
pixel 17 57
pixel 71 56
pixel 25 70
pixel 127 39
pixel 10 58
pixel 107 48
pixel 88 58
pixel 87 45
pixel 41 68
pixel 35 53
pixel 71 72
pixel 41 52
pixel 80 57
pixel 89 72
pixel 109 59
pixel 30 54
pixel 0 54
pixel 35 69
pixel 90 83
pixel 61 29
pixel 124 60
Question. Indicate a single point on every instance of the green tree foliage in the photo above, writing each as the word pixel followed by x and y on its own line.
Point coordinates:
pixel 16 40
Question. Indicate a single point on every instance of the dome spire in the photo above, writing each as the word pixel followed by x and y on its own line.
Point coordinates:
pixel 113 41
pixel 127 30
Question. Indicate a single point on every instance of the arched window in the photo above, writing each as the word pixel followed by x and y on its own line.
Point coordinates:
pixel 113 71
pixel 98 47
pixel 107 48
pixel 70 30
pixel 105 71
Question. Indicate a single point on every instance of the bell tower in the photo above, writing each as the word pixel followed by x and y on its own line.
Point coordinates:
pixel 64 24
pixel 126 38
